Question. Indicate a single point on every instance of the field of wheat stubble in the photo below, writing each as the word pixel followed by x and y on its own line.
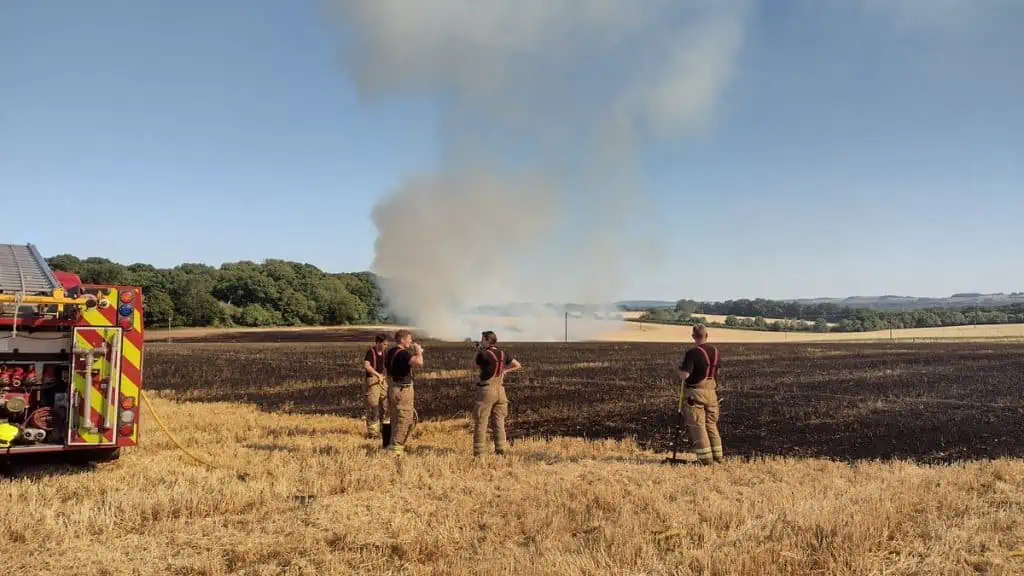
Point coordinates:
pixel 844 459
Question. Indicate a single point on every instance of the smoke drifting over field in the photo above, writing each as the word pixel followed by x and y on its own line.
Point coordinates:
pixel 544 106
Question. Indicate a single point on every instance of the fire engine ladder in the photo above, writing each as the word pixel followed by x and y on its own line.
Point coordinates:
pixel 26 279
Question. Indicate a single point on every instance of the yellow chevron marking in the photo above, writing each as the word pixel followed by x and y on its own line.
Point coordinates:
pixel 93 317
pixel 129 388
pixel 97 398
pixel 131 353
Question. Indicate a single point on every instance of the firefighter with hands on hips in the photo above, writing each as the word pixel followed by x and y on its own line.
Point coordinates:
pixel 400 361
pixel 491 403
pixel 375 390
pixel 698 371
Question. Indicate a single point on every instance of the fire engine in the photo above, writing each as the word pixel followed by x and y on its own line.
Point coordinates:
pixel 70 361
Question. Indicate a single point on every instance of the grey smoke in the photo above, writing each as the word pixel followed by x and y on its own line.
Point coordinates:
pixel 545 105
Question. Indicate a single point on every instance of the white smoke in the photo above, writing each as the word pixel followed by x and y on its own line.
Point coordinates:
pixel 546 105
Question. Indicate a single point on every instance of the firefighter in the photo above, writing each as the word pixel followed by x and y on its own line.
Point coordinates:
pixel 698 371
pixel 375 387
pixel 399 362
pixel 491 404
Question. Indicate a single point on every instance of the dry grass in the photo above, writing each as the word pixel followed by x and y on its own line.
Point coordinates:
pixel 319 499
pixel 634 332
pixel 633 315
pixel 612 331
pixel 722 317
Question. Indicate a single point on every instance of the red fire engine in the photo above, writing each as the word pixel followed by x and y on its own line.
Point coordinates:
pixel 70 361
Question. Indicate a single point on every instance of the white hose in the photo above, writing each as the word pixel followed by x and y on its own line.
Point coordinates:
pixel 18 298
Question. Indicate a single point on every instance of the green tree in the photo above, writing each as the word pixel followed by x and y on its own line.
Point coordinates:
pixel 157 308
pixel 65 263
pixel 686 307
pixel 256 315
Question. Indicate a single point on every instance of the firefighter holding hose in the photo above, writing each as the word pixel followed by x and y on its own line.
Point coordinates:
pixel 491 403
pixel 375 387
pixel 700 399
pixel 400 360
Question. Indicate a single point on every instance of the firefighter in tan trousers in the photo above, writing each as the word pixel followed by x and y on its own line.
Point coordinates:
pixel 400 360
pixel 491 403
pixel 375 387
pixel 700 399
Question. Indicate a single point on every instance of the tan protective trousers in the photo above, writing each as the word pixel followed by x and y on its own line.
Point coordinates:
pixel 401 405
pixel 376 395
pixel 491 406
pixel 700 412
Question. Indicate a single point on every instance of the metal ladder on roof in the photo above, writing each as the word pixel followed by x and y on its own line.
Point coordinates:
pixel 24 271
pixel 26 280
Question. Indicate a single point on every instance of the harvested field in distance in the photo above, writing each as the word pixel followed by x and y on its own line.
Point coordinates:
pixel 929 402
pixel 607 331
pixel 646 332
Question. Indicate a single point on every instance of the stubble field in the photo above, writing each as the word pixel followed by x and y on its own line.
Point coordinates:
pixel 816 483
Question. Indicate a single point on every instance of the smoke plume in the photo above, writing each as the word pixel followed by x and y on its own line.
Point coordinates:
pixel 545 106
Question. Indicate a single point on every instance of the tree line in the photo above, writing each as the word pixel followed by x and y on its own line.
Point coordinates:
pixel 271 293
pixel 284 293
pixel 827 317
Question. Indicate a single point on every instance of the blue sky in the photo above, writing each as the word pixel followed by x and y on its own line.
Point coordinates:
pixel 856 149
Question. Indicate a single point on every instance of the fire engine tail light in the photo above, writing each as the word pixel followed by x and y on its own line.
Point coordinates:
pixel 126 430
pixel 127 297
pixel 127 403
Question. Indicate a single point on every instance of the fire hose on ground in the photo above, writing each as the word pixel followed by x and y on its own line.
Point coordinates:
pixel 145 398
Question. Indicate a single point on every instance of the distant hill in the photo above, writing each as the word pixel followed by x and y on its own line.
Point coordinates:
pixel 890 302
pixel 643 304
pixel 886 302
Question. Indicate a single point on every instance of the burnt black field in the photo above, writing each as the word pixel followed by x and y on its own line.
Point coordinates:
pixel 932 403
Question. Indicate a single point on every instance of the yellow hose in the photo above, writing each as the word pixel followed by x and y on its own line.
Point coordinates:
pixel 145 398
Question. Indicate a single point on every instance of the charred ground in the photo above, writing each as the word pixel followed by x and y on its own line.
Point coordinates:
pixel 926 402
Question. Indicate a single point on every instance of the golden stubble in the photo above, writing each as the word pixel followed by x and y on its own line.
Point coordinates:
pixel 309 495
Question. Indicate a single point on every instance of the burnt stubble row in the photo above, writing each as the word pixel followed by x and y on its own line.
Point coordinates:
pixel 925 402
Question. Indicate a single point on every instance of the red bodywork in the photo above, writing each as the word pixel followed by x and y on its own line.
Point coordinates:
pixel 90 324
